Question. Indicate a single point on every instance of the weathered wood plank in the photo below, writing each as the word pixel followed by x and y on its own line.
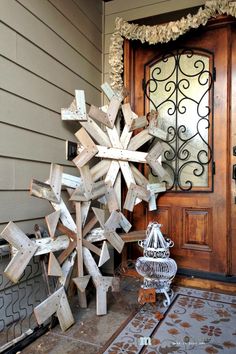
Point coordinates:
pixel 51 221
pixel 67 268
pixel 139 139
pixel 85 156
pixel 84 138
pixel 109 92
pixel 98 189
pixel 157 132
pixel 42 190
pixel 96 132
pixel 124 222
pixel 71 181
pixel 65 215
pixel 121 154
pixel 56 303
pixel 112 110
pixel 54 268
pixel 101 283
pixel 128 115
pixel 100 169
pixel 87 178
pixel 125 136
pixel 139 122
pixel 152 159
pixel 111 198
pixel 114 239
pixel 89 226
pixel 113 222
pixel 133 193
pixel 79 239
pixel 140 179
pixel 99 116
pixel 25 251
pixel 100 215
pixel 104 255
pixel 112 172
pixel 127 173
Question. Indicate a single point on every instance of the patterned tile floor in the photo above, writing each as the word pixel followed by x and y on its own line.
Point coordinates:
pixel 90 332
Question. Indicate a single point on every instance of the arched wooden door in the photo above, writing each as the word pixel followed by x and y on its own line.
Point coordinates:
pixel 187 82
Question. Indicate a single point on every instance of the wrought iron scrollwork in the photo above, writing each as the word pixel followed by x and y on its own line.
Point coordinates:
pixel 189 141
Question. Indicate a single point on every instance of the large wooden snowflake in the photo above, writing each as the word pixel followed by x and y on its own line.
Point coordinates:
pixel 118 152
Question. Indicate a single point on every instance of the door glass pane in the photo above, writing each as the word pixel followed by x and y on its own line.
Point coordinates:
pixel 179 87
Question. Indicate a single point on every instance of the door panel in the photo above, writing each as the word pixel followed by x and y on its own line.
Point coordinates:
pixel 197 221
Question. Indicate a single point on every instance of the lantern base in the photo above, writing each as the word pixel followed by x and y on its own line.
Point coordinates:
pixel 162 286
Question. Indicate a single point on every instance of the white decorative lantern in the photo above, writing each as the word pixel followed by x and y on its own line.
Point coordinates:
pixel 156 267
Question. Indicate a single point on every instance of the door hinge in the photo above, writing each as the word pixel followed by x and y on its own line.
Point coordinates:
pixel 143 84
pixel 213 168
pixel 214 74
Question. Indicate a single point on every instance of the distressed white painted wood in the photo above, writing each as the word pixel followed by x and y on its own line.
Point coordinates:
pixel 111 198
pixel 71 181
pixel 96 132
pixel 157 132
pixel 55 179
pixel 47 244
pixel 101 283
pixel 89 226
pixel 112 173
pixel 139 139
pixel 80 104
pixel 138 123
pixel 152 159
pixel 109 92
pixel 128 115
pixel 56 303
pixel 133 193
pixel 54 268
pixel 140 179
pixel 100 116
pixel 42 190
pixel 100 169
pixel 98 189
pixel 112 110
pixel 67 268
pixel 25 251
pixel 125 136
pixel 127 173
pixel 156 187
pixel 77 110
pixel 51 221
pixel 113 222
pixel 124 223
pixel 96 235
pixel 114 239
pixel 121 154
pixel 87 178
pixel 100 215
pixel 85 206
pixel 104 255
pixel 65 215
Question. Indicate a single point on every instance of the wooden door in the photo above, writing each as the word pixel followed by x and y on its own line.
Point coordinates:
pixel 194 212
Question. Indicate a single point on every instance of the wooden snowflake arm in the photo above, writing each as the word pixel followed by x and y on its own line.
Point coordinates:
pixel 133 193
pixel 25 251
pixel 56 303
pixel 77 110
pixel 152 159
